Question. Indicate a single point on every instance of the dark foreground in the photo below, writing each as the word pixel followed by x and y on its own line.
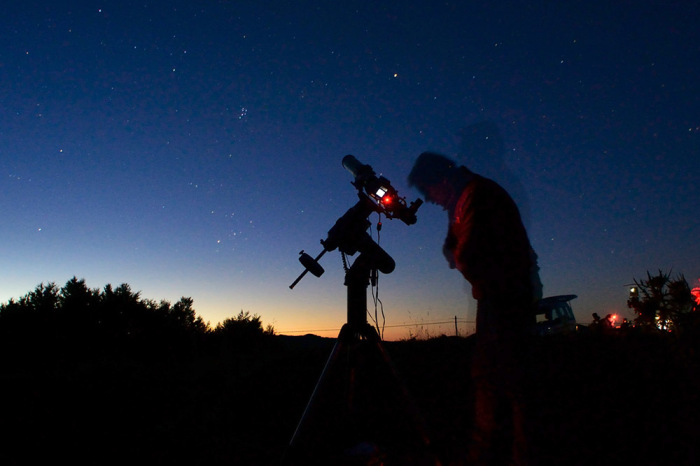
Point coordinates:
pixel 600 400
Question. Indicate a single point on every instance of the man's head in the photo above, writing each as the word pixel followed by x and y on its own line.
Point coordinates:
pixel 433 175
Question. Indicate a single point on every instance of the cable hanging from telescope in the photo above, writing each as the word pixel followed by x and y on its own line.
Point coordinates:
pixel 378 305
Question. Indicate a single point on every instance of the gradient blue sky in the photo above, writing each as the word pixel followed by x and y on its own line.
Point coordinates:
pixel 193 148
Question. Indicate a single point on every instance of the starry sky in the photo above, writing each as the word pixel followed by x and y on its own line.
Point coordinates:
pixel 193 148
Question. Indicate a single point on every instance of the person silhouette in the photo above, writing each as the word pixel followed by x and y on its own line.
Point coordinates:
pixel 487 242
pixel 483 145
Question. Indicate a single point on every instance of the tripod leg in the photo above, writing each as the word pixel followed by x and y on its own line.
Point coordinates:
pixel 329 363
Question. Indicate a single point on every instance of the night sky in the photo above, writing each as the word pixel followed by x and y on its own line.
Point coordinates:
pixel 193 148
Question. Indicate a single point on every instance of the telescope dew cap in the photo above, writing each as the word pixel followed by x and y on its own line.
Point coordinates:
pixel 355 167
pixel 430 169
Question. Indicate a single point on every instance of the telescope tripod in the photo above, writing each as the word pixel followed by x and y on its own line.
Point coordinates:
pixel 359 411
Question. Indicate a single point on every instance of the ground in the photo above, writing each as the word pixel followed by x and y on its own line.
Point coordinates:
pixel 601 399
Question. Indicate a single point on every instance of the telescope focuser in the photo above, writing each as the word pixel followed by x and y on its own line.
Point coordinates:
pixel 381 192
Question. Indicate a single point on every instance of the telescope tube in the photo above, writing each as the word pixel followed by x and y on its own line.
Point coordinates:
pixel 357 168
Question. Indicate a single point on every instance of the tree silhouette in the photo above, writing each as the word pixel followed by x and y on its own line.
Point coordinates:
pixel 661 301
pixel 52 322
pixel 244 331
pixel 78 308
pixel 44 299
pixel 27 326
pixel 76 295
pixel 94 372
pixel 244 326
pixel 75 322
pixel 182 314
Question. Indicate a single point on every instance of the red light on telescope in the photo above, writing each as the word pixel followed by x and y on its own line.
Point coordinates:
pixel 383 196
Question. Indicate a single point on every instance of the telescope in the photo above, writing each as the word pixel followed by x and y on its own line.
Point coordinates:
pixel 349 233
pixel 342 417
